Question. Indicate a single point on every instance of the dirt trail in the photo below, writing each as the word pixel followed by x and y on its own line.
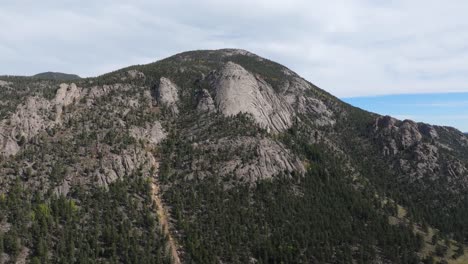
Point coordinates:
pixel 163 221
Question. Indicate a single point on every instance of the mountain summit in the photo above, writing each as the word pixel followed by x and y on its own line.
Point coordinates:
pixel 221 156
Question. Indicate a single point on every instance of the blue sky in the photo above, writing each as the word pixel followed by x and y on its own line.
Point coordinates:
pixel 351 48
pixel 450 109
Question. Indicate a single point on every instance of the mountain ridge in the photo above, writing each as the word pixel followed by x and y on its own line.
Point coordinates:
pixel 56 76
pixel 180 55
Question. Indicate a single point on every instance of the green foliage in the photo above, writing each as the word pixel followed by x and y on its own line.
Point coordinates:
pixel 458 252
pixel 316 218
pixel 56 76
pixel 2 244
pixel 441 250
pixel 427 200
pixel 11 243
pixel 325 222
pixel 97 226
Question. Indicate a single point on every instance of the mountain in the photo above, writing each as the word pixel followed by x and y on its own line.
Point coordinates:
pixel 56 76
pixel 221 156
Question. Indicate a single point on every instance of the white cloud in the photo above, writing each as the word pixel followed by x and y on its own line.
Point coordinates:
pixel 350 48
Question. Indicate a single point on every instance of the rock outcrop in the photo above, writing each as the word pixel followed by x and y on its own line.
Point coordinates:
pixel 205 102
pixel 239 91
pixel 296 92
pixel 167 94
pixel 4 83
pixel 247 158
pixel 417 149
pixel 271 159
pixel 152 133
pixel 34 116
pixel 115 166
pixel 134 74
pixel 397 135
pixel 30 118
pixel 66 95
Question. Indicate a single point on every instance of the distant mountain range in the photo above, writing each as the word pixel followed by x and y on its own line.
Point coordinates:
pixel 56 76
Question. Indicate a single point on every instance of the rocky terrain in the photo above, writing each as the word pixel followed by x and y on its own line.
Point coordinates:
pixel 224 157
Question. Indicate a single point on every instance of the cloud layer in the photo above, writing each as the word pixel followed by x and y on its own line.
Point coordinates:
pixel 349 48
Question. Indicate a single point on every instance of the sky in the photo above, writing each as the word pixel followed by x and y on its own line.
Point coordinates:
pixel 351 48
pixel 450 109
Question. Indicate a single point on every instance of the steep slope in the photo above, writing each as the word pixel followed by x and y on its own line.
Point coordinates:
pixel 238 91
pixel 256 165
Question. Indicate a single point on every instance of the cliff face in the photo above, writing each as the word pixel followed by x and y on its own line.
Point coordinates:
pixel 167 94
pixel 241 121
pixel 421 153
pixel 36 114
pixel 238 91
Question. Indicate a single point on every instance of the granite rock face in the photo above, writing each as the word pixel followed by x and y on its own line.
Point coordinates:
pixel 167 94
pixel 418 151
pixel 4 83
pixel 27 121
pixel 295 93
pixel 397 135
pixel 117 166
pixel 33 116
pixel 134 74
pixel 239 91
pixel 37 114
pixel 153 134
pixel 66 95
pixel 246 158
pixel 205 102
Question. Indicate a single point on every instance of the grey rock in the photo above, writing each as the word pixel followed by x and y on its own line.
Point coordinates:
pixel 5 83
pixel 239 91
pixel 247 158
pixel 117 166
pixel 134 74
pixel 167 94
pixel 418 147
pixel 66 95
pixel 296 92
pixel 205 102
pixel 28 120
pixel 152 133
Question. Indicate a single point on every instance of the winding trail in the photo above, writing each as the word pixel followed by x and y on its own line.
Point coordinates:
pixel 164 222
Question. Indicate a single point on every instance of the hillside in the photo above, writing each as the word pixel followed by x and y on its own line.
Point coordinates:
pixel 221 157
pixel 56 76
